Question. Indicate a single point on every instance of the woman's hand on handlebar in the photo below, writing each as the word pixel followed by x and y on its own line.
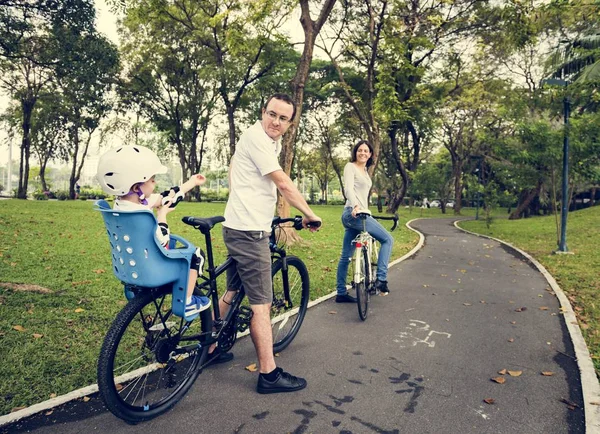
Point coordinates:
pixel 313 224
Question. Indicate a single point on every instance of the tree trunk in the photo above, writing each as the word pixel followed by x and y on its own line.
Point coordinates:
pixel 43 175
pixel 525 203
pixel 27 105
pixel 395 199
pixel 457 174
pixel 311 30
pixel 232 138
pixel 75 141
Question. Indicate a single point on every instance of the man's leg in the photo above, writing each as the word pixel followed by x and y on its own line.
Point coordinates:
pixel 271 378
pixel 262 336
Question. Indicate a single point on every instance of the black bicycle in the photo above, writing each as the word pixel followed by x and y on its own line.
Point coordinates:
pixel 150 358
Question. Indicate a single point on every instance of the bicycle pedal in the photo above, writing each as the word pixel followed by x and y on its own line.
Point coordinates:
pixel 243 319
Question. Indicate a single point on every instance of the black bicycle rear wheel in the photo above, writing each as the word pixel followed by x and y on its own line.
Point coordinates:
pixel 291 292
pixel 144 367
pixel 362 286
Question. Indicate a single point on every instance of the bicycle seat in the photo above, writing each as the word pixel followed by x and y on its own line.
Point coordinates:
pixel 138 259
pixel 203 224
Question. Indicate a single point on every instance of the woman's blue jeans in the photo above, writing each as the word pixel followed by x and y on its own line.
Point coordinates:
pixel 353 227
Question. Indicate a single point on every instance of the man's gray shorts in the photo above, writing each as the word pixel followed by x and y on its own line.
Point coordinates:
pixel 250 251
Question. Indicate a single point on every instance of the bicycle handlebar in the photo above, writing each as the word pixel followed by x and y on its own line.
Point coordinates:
pixel 297 220
pixel 394 217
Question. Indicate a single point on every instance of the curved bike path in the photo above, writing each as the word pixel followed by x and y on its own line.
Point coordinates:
pixel 461 310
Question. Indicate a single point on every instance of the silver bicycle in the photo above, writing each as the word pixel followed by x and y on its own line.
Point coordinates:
pixel 366 255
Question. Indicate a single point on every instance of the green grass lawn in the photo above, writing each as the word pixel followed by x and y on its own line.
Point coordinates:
pixel 578 275
pixel 53 322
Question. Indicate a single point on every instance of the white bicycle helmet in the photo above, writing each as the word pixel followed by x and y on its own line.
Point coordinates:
pixel 121 168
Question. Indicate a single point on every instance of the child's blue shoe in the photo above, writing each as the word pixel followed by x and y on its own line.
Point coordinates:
pixel 196 305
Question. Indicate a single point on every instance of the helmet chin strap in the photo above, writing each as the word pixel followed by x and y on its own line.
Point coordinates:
pixel 142 197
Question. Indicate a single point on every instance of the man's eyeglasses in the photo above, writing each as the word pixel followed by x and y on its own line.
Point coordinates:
pixel 273 116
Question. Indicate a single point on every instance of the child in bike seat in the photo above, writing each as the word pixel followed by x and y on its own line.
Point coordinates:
pixel 128 172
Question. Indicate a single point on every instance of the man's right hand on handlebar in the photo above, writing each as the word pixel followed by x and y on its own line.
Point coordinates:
pixel 313 223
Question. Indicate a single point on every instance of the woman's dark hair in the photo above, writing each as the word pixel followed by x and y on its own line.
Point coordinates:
pixel 285 98
pixel 355 150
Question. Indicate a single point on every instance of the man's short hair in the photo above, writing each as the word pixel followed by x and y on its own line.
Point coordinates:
pixel 285 98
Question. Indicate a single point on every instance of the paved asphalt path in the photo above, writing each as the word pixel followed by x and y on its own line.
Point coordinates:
pixel 461 310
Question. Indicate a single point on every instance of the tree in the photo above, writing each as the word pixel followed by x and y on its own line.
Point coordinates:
pixel 85 74
pixel 169 83
pixel 311 31
pixel 434 179
pixel 31 50
pixel 239 41
pixel 24 78
pixel 48 134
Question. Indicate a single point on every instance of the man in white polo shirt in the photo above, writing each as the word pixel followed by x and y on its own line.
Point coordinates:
pixel 254 178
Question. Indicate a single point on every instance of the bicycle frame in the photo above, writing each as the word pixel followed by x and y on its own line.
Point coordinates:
pixel 364 240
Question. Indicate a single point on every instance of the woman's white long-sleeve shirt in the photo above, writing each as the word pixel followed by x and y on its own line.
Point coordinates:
pixel 357 184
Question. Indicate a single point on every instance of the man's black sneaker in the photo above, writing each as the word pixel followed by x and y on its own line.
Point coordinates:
pixel 346 298
pixel 381 286
pixel 283 383
pixel 218 357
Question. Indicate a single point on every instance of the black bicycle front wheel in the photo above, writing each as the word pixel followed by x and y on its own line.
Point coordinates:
pixel 144 367
pixel 362 290
pixel 291 293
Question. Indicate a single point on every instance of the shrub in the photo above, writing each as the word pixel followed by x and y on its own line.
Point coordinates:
pixel 83 197
pixel 62 195
pixel 40 195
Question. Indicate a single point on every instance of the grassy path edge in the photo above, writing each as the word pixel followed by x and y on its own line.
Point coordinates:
pixel 590 386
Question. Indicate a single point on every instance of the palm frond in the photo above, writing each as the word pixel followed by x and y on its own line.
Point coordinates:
pixel 575 61
pixel 589 73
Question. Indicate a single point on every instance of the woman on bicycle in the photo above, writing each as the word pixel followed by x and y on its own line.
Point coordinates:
pixel 357 184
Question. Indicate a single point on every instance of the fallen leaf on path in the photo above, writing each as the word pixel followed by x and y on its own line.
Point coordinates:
pixel 595 403
pixel 521 309
pixel 489 400
pixel 332 312
pixel 511 340
pixel 570 405
pixel 502 371
pixel 499 380
pixel 467 304
pixel 119 387
pixel 19 328
pixel 482 301
pixel 48 413
pixel 513 322
pixel 252 367
pixel 86 398
pixel 547 373
pixel 544 308
pixel 515 373
pixel 53 395
pixel 276 354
